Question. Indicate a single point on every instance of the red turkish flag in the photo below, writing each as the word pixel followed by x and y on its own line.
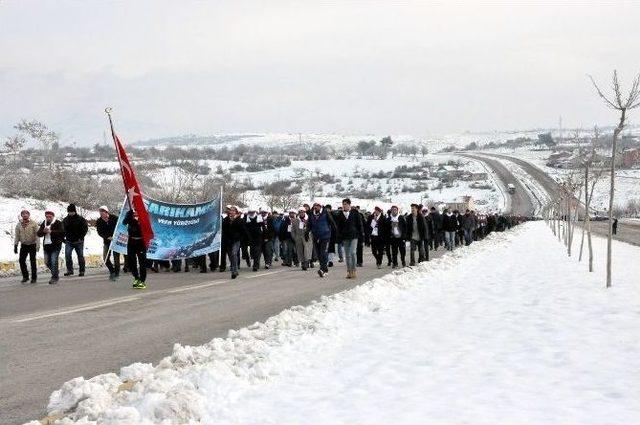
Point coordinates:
pixel 132 189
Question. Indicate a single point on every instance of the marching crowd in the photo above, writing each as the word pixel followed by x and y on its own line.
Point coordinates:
pixel 311 235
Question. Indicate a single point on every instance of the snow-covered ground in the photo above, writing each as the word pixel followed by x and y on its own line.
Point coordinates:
pixel 482 336
pixel 10 214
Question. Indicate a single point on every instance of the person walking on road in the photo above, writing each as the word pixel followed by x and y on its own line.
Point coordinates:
pixel 375 234
pixel 301 233
pixel 350 228
pixel 236 233
pixel 397 235
pixel 75 229
pixel 52 232
pixel 106 226
pixel 26 234
pixel 255 231
pixel 449 225
pixel 468 225
pixel 268 237
pixel 321 224
pixel 136 251
pixel 416 233
pixel 614 226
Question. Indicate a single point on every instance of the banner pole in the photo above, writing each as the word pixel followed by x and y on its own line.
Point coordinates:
pixel 108 111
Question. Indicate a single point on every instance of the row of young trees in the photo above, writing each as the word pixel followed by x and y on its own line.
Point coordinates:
pixel 576 194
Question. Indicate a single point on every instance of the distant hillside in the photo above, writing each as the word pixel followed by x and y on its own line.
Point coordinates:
pixel 192 139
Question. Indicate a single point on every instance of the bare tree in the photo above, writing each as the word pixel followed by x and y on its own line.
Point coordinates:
pixel 40 133
pixel 14 144
pixel 591 177
pixel 623 104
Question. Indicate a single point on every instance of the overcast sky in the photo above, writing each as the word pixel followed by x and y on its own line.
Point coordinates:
pixel 179 67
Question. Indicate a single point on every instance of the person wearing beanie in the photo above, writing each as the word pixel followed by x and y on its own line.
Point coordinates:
pixel 106 226
pixel 52 232
pixel 26 234
pixel 75 229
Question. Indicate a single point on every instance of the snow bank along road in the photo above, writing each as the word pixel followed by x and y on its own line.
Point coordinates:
pixel 627 231
pixel 87 326
pixel 482 336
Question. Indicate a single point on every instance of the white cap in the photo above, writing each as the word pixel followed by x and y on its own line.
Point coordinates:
pixel 263 209
pixel 103 208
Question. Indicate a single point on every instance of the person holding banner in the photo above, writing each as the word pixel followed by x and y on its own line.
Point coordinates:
pixel 136 250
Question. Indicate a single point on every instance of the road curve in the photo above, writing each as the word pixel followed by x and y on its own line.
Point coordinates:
pixel 628 231
pixel 520 203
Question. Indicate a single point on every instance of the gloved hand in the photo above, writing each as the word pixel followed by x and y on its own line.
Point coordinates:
pixel 15 248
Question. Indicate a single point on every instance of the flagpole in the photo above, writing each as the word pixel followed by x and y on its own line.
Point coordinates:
pixel 108 111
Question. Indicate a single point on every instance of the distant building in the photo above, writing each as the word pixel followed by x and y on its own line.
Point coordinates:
pixel 461 204
pixel 630 158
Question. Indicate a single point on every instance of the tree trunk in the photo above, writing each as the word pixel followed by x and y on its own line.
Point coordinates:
pixel 614 144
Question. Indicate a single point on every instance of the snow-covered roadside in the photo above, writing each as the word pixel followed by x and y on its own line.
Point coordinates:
pixel 9 215
pixel 485 335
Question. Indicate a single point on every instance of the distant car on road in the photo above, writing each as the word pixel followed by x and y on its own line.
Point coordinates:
pixel 511 188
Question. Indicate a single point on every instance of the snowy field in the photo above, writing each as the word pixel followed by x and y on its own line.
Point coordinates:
pixel 483 336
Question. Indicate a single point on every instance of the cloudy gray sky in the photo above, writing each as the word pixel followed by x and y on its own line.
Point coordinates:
pixel 343 66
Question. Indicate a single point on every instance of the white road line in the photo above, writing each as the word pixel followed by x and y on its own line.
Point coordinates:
pixel 77 309
pixel 189 288
pixel 263 274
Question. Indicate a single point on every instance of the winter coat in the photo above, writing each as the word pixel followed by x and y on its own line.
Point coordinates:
pixel 133 226
pixel 449 223
pixel 27 235
pixel 302 236
pixel 350 227
pixel 422 226
pixel 57 234
pixel 106 228
pixel 255 229
pixel 469 222
pixel 269 229
pixel 236 230
pixel 380 226
pixel 436 219
pixel 277 224
pixel 75 228
pixel 321 225
pixel 402 228
pixel 285 234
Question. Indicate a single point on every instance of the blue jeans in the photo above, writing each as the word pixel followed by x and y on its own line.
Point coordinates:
pixel 468 233
pixel 234 257
pixel 51 260
pixel 449 239
pixel 350 247
pixel 78 247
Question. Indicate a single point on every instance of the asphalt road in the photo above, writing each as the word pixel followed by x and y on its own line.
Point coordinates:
pixel 88 326
pixel 518 203
pixel 627 231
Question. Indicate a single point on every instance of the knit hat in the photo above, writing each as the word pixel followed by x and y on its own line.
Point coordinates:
pixel 103 208
pixel 49 210
pixel 377 208
pixel 23 209
pixel 71 208
pixel 302 208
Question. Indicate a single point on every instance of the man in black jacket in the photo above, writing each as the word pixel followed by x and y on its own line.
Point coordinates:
pixel 236 233
pixel 350 228
pixel 416 233
pixel 75 229
pixel 52 232
pixel 106 226
pixel 136 250
pixel 436 220
pixel 255 231
pixel 376 234
pixel 360 248
pixel 268 235
pixel 397 233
